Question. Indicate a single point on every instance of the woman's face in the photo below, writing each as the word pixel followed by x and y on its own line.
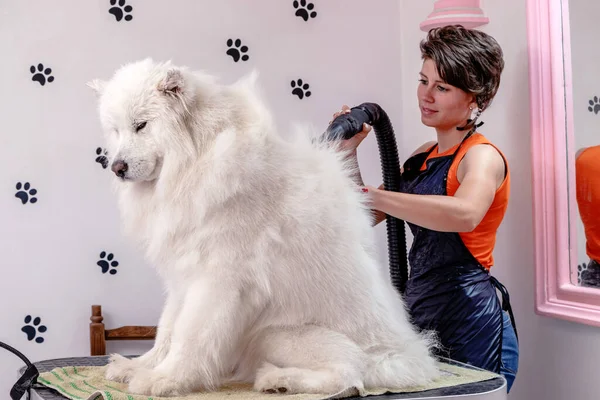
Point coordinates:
pixel 442 106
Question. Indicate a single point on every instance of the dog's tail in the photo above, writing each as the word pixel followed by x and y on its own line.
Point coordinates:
pixel 401 368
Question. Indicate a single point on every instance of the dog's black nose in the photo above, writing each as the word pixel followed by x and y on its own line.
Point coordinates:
pixel 119 168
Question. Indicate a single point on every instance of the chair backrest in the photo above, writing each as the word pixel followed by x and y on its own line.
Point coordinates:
pixel 99 334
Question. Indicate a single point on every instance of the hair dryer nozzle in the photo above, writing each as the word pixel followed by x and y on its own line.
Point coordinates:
pixel 346 126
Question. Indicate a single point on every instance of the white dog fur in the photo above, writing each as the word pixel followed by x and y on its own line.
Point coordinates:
pixel 265 245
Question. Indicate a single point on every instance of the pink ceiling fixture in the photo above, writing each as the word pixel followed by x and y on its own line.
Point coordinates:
pixel 450 12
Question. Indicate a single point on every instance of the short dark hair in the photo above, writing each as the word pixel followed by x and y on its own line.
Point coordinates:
pixel 466 58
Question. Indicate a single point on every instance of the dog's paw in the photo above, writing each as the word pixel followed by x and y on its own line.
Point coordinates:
pixel 271 379
pixel 151 383
pixel 120 369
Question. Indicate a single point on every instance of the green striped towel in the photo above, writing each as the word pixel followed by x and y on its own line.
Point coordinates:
pixel 88 383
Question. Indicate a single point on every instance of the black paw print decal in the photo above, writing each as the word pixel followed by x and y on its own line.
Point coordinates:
pixel 594 105
pixel 300 89
pixel 41 74
pixel 107 263
pixel 101 157
pixel 26 193
pixel 236 50
pixel 121 10
pixel 304 10
pixel 32 329
pixel 580 269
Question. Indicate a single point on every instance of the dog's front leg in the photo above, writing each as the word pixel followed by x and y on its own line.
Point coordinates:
pixel 214 315
pixel 122 369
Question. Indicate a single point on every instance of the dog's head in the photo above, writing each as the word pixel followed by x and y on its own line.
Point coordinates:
pixel 143 111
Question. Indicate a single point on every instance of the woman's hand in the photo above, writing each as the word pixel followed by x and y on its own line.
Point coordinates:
pixel 371 194
pixel 352 144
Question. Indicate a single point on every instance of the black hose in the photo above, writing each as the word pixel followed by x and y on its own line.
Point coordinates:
pixel 27 380
pixel 346 126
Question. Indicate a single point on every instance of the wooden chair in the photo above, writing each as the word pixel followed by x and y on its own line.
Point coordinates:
pixel 99 334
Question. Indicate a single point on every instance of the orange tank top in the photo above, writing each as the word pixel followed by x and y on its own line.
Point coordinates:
pixel 587 189
pixel 482 240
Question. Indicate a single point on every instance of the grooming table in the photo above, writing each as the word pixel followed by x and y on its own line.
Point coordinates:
pixel 493 389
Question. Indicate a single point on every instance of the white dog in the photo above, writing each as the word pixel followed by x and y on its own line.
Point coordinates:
pixel 265 245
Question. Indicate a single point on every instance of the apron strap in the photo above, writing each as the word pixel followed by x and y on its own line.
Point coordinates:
pixel 505 302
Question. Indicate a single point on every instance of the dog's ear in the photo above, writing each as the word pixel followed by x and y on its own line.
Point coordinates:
pixel 172 83
pixel 96 85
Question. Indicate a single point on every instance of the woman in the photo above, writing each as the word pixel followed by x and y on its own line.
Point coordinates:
pixel 454 194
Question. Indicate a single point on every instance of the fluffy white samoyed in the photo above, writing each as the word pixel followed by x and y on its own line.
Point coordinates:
pixel 265 245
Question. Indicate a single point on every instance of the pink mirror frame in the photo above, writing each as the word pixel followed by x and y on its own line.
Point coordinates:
pixel 552 156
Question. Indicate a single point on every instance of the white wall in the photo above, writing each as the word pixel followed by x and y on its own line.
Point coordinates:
pixel 559 360
pixel 347 54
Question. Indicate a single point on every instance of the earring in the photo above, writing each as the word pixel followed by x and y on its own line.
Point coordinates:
pixel 474 113
pixel 477 115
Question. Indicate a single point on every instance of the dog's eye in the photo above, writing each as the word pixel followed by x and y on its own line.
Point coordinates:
pixel 140 126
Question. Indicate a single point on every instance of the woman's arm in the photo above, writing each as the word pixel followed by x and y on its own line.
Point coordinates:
pixel 480 174
pixel 378 215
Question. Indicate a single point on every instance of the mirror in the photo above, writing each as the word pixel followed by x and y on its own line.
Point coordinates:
pixel 565 154
pixel 585 263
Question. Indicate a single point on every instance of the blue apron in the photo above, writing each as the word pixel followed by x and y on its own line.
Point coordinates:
pixel 448 290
